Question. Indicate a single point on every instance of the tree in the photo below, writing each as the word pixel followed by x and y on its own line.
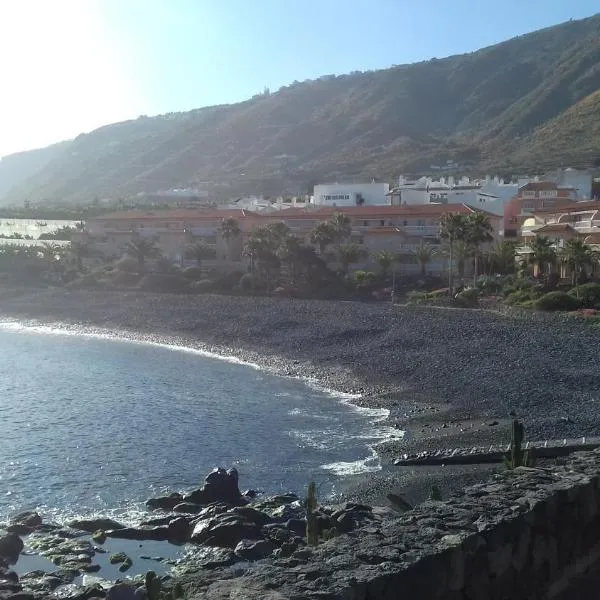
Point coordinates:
pixel 478 231
pixel 142 249
pixel 262 248
pixel 79 249
pixel 385 260
pixel 348 254
pixel 229 230
pixel 501 258
pixel 542 253
pixel 577 255
pixel 200 251
pixel 453 228
pixel 342 227
pixel 423 255
pixel 322 235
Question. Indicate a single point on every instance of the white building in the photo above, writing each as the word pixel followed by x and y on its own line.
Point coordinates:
pixel 426 190
pixel 351 194
pixel 581 181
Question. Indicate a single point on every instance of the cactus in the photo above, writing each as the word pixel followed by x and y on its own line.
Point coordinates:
pixel 518 457
pixel 312 532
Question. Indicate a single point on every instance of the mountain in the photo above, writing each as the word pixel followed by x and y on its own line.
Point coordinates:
pixel 16 168
pixel 527 103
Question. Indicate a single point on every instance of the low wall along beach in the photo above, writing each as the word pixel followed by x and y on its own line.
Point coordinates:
pixel 526 534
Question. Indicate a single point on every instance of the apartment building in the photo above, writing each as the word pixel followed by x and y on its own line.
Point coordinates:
pixel 397 229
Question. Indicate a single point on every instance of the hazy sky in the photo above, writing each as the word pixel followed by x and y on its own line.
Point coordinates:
pixel 69 66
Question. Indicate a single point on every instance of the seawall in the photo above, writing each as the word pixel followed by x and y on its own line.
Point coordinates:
pixel 525 534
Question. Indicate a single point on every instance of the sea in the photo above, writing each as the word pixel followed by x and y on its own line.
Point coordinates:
pixel 95 425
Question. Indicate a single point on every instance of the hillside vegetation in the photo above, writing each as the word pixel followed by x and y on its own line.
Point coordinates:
pixel 528 103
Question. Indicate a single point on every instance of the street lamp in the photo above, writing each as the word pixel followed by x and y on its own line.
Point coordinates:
pixel 394 271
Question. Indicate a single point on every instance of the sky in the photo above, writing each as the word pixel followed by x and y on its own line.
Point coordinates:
pixel 70 66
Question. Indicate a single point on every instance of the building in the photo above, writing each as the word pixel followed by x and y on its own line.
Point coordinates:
pixel 576 220
pixel 446 190
pixel 351 194
pixel 534 196
pixel 580 181
pixel 397 229
pixel 172 230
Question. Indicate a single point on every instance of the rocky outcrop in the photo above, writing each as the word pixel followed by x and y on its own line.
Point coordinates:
pixel 521 536
pixel 24 523
pixel 11 546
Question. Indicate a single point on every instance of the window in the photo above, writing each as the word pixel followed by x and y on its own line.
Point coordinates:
pixel 382 222
pixel 365 223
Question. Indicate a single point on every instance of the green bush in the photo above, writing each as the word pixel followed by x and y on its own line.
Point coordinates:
pixel 251 283
pixel 508 290
pixel 518 297
pixel 127 264
pixel 225 282
pixel 588 294
pixel 557 301
pixel 202 286
pixel 467 298
pixel 193 273
pixel 416 297
pixel 489 285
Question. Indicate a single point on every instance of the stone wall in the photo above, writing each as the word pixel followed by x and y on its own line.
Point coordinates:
pixel 523 535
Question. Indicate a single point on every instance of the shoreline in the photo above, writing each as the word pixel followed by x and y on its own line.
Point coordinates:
pixel 449 378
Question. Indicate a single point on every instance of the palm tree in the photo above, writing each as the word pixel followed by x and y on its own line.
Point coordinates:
pixel 453 228
pixel 229 229
pixel 142 249
pixel 322 235
pixel 577 255
pixel 478 231
pixel 200 251
pixel 348 254
pixel 542 253
pixel 423 255
pixel 342 227
pixel 385 260
pixel 501 258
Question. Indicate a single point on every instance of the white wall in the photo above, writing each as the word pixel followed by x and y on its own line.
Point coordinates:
pixel 580 180
pixel 346 194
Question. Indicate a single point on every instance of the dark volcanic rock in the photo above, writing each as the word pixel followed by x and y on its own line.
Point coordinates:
pixel 165 502
pixel 92 525
pixel 219 486
pixel 187 507
pixel 24 523
pixel 140 533
pixel 225 531
pixel 11 545
pixel 254 549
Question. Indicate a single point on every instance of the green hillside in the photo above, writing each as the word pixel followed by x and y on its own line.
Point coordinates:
pixel 494 109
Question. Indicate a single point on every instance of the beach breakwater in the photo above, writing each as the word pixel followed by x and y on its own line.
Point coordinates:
pixel 525 534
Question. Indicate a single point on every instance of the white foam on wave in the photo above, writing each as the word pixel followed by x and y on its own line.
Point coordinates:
pixel 380 431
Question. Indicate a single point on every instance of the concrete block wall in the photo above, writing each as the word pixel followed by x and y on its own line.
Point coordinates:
pixel 522 535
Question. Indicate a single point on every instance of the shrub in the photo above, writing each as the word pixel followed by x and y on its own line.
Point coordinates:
pixel 489 285
pixel 517 297
pixel 193 273
pixel 125 278
pixel 364 277
pixel 508 290
pixel 225 282
pixel 250 282
pixel 416 297
pixel 127 264
pixel 467 298
pixel 557 301
pixel 202 286
pixel 588 294
pixel 164 282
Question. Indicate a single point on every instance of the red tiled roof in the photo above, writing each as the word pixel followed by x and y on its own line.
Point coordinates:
pixel 569 208
pixel 181 214
pixel 555 228
pixel 538 186
pixel 372 211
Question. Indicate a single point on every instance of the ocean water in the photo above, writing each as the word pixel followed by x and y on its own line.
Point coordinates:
pixel 90 425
